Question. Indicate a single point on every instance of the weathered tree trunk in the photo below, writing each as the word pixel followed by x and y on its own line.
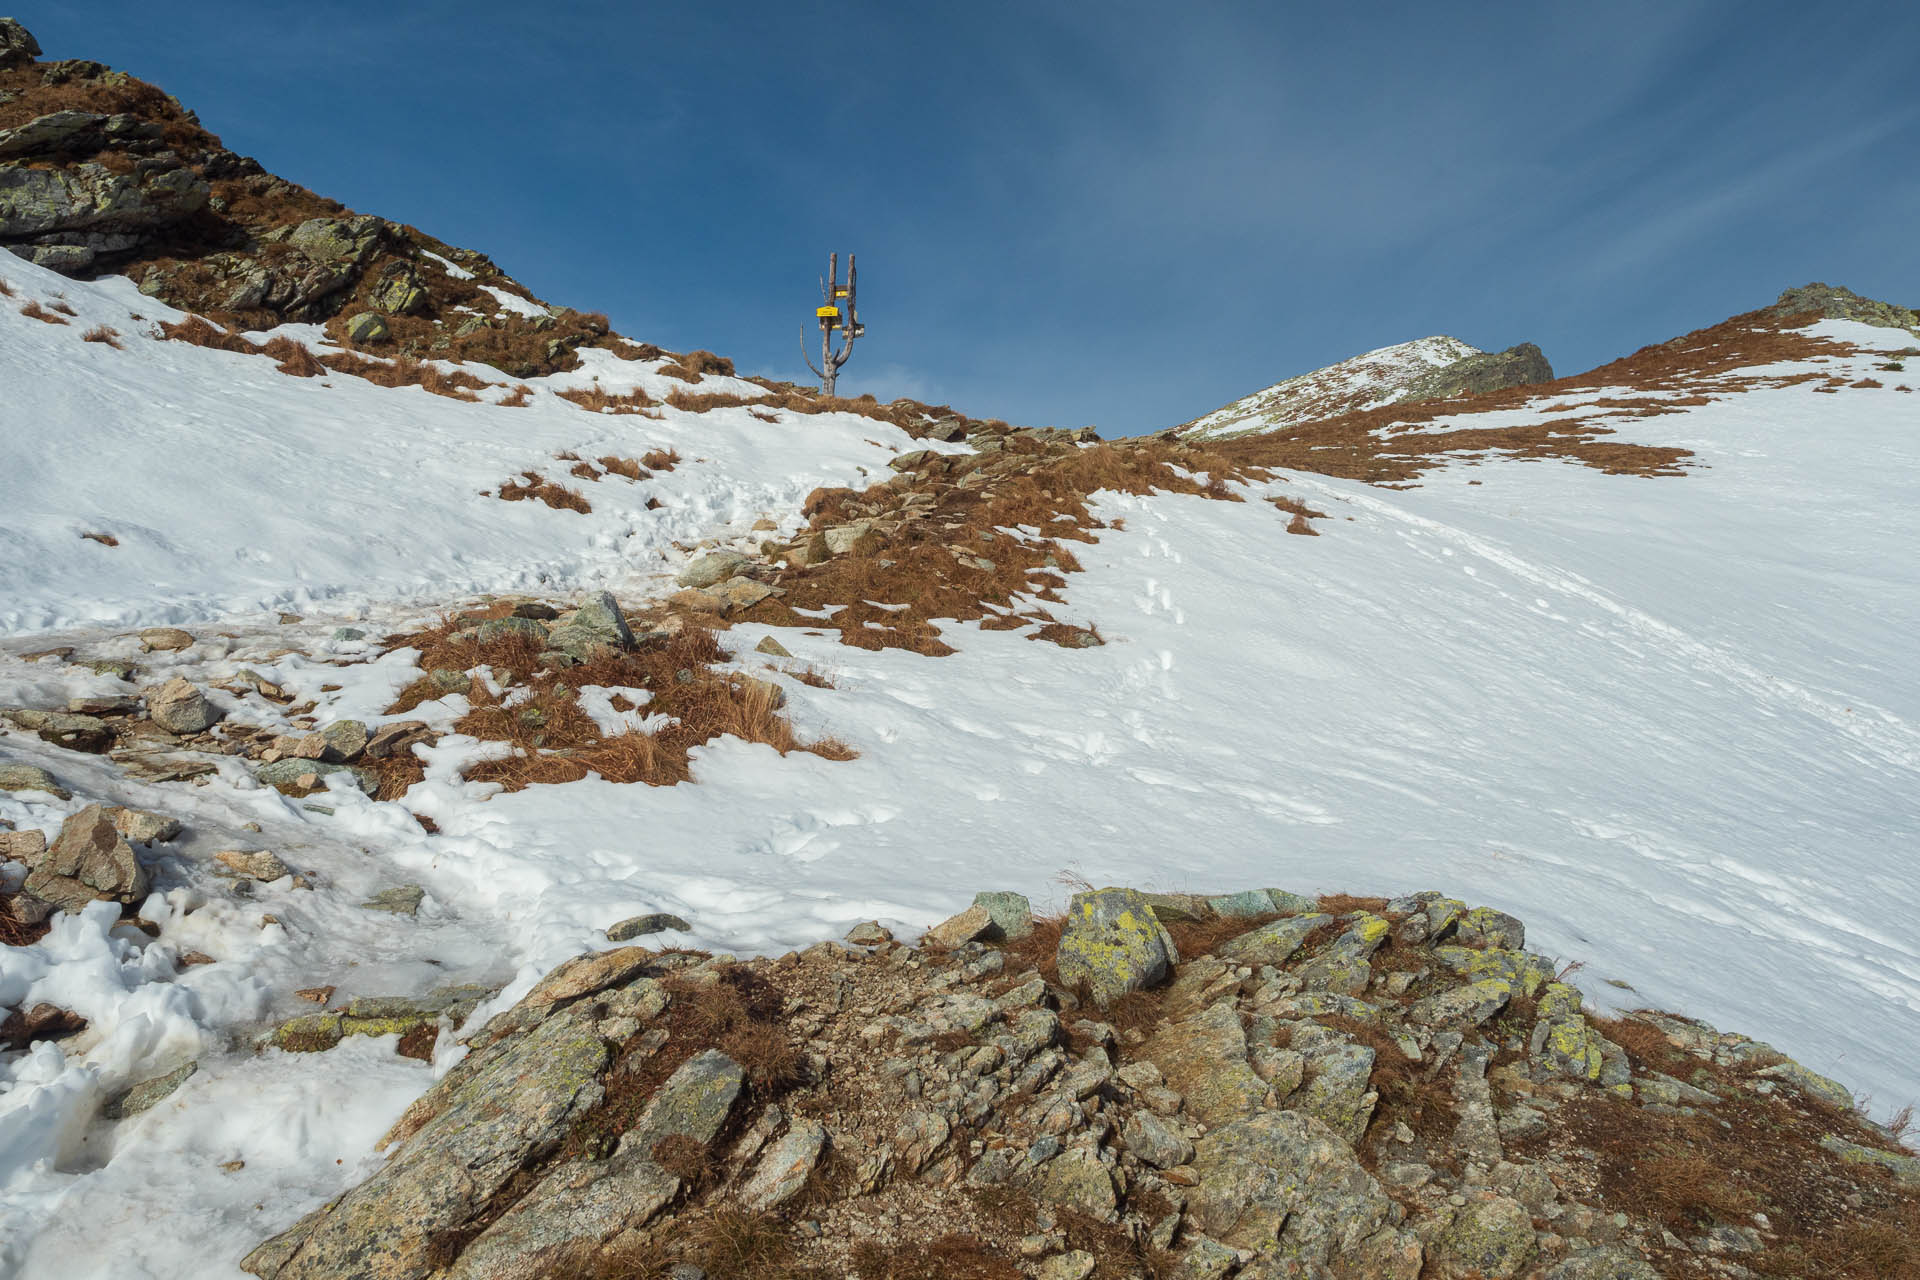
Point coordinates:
pixel 830 318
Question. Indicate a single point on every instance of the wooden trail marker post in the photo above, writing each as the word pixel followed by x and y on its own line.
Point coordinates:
pixel 833 297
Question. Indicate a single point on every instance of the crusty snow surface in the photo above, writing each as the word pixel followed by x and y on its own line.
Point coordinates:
pixel 1672 724
pixel 1365 381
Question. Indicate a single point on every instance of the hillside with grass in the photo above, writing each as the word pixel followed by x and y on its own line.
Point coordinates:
pixel 485 796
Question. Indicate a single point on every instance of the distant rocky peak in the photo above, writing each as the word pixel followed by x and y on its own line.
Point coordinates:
pixel 1424 369
pixel 1833 302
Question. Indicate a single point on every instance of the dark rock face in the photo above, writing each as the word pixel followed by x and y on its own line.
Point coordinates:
pixel 1476 375
pixel 1833 302
pixel 102 172
pixel 17 45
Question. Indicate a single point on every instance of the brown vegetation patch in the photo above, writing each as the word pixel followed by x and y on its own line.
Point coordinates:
pixel 1392 445
pixel 533 485
pixel 660 459
pixel 597 399
pixel 32 310
pixel 104 539
pixel 625 467
pixel 553 741
pixel 103 333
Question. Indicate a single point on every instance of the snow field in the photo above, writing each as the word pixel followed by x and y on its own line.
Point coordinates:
pixel 1671 724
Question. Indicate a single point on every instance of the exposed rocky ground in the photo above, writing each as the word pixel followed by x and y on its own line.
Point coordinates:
pixel 1255 1085
pixel 1425 369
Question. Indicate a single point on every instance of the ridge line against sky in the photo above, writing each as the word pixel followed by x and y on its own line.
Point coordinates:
pixel 1121 214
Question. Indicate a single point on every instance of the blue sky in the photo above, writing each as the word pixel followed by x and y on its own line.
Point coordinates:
pixel 1078 212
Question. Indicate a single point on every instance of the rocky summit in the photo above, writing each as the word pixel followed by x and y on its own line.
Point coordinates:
pixel 1255 1085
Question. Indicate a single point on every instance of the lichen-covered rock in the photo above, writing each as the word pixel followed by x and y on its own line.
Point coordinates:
pixel 1273 943
pixel 1905 1169
pixel 492 1116
pixel 1336 1091
pixel 1462 1006
pixel 1491 1238
pixel 587 1202
pixel 596 627
pixel 1078 1180
pixel 1011 913
pixel 179 707
pixel 1485 927
pixel 89 862
pixel 1205 1058
pixel 1155 1141
pixel 1281 1183
pixel 297 776
pixel 1811 1083
pixel 785 1167
pixel 367 328
pixel 1113 944
pixel 148 1093
pixel 1608 1263
pixel 709 567
pixel 346 739
pixel 1343 967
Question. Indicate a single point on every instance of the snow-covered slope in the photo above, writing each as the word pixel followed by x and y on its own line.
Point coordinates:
pixel 1673 724
pixel 1366 381
pixel 230 487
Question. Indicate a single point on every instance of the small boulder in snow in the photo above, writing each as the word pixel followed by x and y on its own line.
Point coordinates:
pixel 164 640
pixel 714 566
pixel 596 627
pixel 179 707
pixel 31 777
pixel 259 864
pixel 144 827
pixel 90 861
pixel 640 926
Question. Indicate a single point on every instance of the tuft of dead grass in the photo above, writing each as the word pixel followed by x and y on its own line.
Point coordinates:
pixel 105 334
pixel 104 539
pixel 293 358
pixel 32 310
pixel 532 484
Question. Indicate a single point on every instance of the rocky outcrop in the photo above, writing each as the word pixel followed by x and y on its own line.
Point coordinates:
pixel 17 45
pixel 1476 375
pixel 101 172
pixel 90 861
pixel 1384 1099
pixel 1833 302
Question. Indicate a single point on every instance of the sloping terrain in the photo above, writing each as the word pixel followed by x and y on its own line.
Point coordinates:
pixel 1425 369
pixel 403 680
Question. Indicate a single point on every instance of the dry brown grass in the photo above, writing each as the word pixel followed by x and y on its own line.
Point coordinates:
pixel 64 307
pixel 293 358
pixel 597 399
pixel 625 467
pixel 554 741
pixel 519 398
pixel 704 362
pixel 955 1256
pixel 6 289
pixel 32 310
pixel 104 539
pixel 660 459
pixel 533 485
pixel 103 333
